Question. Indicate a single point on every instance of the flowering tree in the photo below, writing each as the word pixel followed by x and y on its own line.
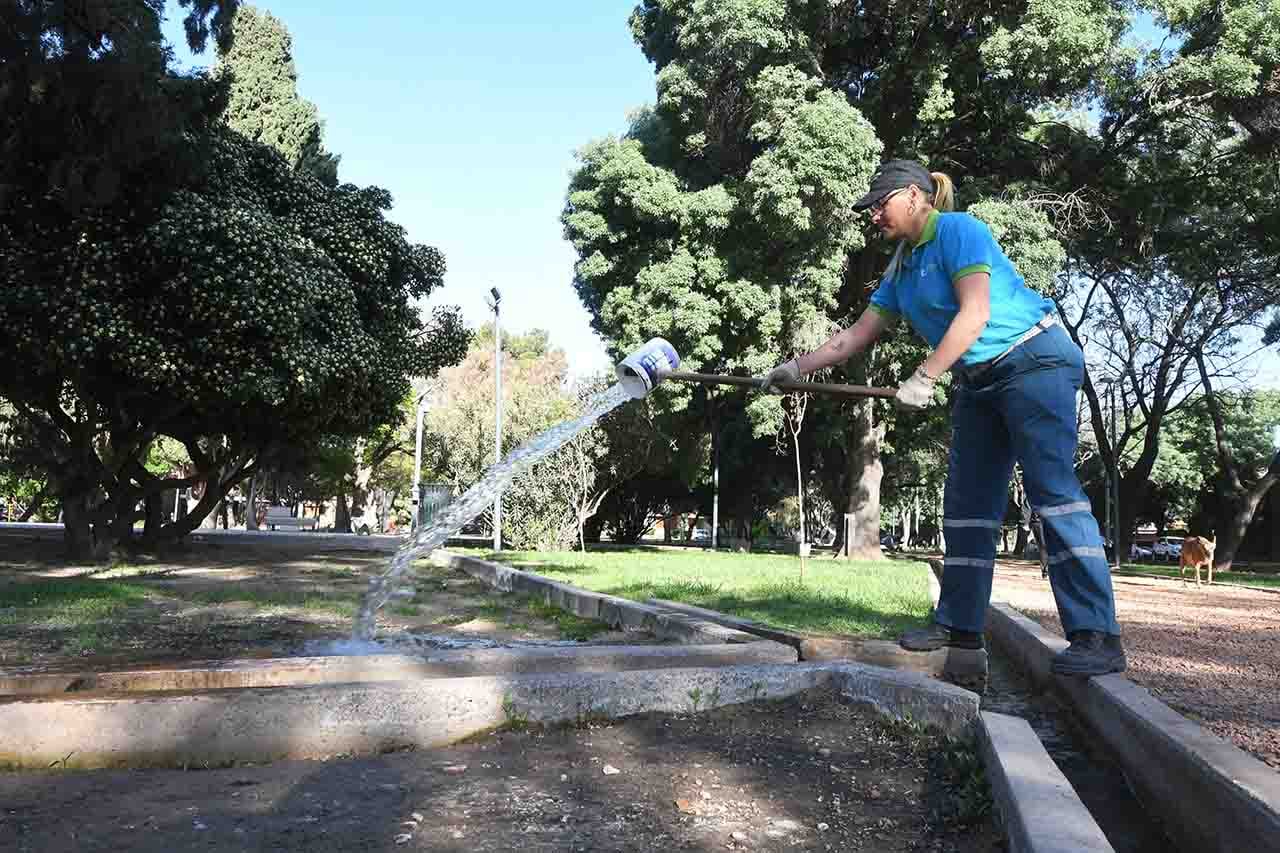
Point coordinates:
pixel 191 285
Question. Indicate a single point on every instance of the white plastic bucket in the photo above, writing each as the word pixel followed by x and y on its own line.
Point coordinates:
pixel 641 371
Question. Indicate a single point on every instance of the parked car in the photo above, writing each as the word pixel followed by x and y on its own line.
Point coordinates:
pixel 701 534
pixel 1168 548
pixel 888 542
pixel 1138 552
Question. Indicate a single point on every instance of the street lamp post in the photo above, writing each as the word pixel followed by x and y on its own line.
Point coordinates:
pixel 497 410
pixel 417 463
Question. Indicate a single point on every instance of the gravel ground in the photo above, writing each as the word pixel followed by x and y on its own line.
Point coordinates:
pixel 1211 653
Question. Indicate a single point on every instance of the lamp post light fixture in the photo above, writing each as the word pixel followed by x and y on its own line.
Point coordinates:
pixel 495 305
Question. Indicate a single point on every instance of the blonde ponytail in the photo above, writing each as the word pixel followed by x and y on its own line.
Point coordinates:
pixel 944 191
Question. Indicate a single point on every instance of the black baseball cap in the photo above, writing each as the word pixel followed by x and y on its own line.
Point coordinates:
pixel 894 175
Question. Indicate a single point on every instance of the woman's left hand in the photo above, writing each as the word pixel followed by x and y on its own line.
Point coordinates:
pixel 916 392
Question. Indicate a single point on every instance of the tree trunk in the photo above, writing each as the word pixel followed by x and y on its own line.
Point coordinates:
pixel 866 472
pixel 1242 500
pixel 1024 524
pixel 799 488
pixel 251 506
pixel 1274 513
pixel 154 514
pixel 1243 507
pixel 342 515
pixel 85 540
pixel 77 531
pixel 939 520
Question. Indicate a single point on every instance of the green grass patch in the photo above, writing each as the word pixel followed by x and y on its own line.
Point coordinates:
pixel 1230 578
pixel 69 602
pixel 495 611
pixel 336 604
pixel 570 625
pixel 406 610
pixel 510 608
pixel 861 598
pixel 87 639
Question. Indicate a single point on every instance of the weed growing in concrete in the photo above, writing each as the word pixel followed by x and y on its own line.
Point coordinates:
pixel 571 625
pixel 968 779
pixel 516 721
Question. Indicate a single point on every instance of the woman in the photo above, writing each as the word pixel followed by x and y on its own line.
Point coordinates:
pixel 1016 375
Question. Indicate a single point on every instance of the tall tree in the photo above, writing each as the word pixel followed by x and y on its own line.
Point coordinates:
pixel 1248 465
pixel 263 101
pixel 88 106
pixel 722 219
pixel 1183 256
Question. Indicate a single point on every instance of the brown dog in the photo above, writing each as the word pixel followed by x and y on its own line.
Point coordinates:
pixel 1197 550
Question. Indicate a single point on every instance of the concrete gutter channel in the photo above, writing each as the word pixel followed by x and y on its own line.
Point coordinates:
pixel 1209 794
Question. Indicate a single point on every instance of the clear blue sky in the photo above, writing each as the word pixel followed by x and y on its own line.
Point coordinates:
pixel 469 113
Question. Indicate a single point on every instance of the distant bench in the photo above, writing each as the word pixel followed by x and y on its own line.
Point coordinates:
pixel 282 517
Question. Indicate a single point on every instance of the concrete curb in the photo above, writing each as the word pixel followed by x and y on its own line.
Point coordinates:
pixel 965 665
pixel 908 695
pixel 738 623
pixel 616 612
pixel 256 725
pixel 342 669
pixel 1040 810
pixel 1211 795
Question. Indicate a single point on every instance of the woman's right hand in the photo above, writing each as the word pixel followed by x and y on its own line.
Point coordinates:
pixel 788 371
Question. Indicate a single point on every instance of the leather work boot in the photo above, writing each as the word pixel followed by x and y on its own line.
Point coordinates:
pixel 1090 653
pixel 934 636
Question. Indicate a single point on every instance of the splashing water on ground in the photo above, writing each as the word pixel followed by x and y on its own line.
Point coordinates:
pixel 390 584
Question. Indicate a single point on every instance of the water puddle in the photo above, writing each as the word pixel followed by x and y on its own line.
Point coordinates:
pixel 1098 780
pixel 417 644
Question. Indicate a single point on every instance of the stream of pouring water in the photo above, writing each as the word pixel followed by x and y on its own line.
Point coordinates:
pixel 475 500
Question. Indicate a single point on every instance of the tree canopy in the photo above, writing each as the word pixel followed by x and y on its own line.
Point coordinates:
pixel 263 103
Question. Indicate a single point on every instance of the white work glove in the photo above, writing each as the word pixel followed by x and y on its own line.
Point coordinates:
pixel 916 392
pixel 786 372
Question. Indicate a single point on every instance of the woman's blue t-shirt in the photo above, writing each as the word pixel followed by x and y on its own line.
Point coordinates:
pixel 952 246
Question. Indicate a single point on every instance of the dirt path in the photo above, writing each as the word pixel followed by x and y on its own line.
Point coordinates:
pixel 1211 653
pixel 805 774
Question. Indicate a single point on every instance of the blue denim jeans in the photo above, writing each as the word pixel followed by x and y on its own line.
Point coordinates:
pixel 1023 408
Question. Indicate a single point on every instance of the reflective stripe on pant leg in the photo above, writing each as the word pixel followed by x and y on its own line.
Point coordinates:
pixel 1079 573
pixel 976 495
